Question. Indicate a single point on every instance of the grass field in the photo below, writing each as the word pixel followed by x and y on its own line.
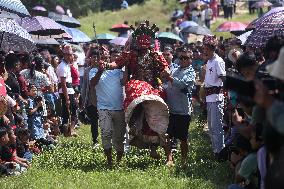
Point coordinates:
pixel 74 164
pixel 153 10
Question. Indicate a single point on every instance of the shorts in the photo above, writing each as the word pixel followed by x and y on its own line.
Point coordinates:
pixel 178 126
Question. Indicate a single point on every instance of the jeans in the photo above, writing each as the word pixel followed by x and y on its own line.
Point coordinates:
pixel 235 186
pixel 215 125
pixel 92 113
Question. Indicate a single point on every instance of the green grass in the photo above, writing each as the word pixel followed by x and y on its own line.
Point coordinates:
pixel 153 10
pixel 75 165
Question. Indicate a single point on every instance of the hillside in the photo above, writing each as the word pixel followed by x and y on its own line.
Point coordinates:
pixel 153 10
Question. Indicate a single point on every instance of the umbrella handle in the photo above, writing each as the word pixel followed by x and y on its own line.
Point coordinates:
pixel 96 39
pixel 2 37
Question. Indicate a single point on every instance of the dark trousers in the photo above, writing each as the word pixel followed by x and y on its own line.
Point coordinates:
pixel 230 11
pixel 92 113
pixel 65 112
pixel 207 23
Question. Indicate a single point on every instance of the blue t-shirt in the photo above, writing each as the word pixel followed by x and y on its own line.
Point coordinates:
pixel 109 90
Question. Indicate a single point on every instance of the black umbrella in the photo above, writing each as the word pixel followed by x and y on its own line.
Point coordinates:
pixel 198 30
pixel 65 20
pixel 14 37
pixel 40 25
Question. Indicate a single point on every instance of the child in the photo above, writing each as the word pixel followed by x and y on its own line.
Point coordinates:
pixel 34 113
pixel 24 149
pixel 7 164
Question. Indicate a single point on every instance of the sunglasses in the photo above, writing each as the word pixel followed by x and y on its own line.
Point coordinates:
pixel 184 58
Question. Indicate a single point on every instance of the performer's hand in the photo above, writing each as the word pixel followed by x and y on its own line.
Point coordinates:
pixel 102 66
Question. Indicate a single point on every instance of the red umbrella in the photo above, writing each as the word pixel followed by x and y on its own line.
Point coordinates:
pixel 119 28
pixel 231 26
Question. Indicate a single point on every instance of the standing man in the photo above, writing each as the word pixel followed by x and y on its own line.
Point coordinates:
pixel 109 93
pixel 67 92
pixel 214 76
pixel 179 90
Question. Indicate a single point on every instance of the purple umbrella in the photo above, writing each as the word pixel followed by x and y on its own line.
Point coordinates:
pixel 270 26
pixel 40 25
pixel 119 41
pixel 256 22
pixel 39 8
pixel 59 9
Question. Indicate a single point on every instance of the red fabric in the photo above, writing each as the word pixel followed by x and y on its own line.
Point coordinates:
pixel 75 76
pixel 3 91
pixel 136 88
pixel 23 85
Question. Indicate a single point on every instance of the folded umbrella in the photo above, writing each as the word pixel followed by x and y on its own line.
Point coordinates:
pixel 40 25
pixel 14 6
pixel 65 20
pixel 119 41
pixel 14 37
pixel 231 26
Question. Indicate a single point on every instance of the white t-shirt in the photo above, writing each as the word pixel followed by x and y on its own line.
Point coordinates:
pixel 81 62
pixel 64 70
pixel 214 69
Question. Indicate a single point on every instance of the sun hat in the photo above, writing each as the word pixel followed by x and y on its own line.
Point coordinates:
pixel 276 69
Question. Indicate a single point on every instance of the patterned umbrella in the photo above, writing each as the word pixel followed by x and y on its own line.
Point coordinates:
pixel 231 26
pixel 14 6
pixel 119 41
pixel 255 22
pixel 261 4
pixel 119 28
pixel 198 30
pixel 168 37
pixel 186 24
pixel 5 14
pixel 65 20
pixel 14 37
pixel 40 25
pixel 77 35
pixel 272 25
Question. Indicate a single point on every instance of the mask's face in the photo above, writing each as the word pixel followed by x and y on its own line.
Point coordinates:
pixel 143 41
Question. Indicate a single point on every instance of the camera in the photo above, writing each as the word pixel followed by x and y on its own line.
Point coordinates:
pixel 39 99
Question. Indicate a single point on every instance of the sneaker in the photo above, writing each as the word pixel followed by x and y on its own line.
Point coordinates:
pixel 96 146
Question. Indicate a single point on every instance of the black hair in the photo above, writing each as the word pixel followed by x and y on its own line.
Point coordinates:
pixel 3 131
pixel 22 132
pixel 11 60
pixel 94 52
pixel 30 86
pixel 274 44
pixel 26 58
pixel 243 143
pixel 246 60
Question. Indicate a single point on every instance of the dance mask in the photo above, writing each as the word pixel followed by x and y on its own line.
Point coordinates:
pixel 144 35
